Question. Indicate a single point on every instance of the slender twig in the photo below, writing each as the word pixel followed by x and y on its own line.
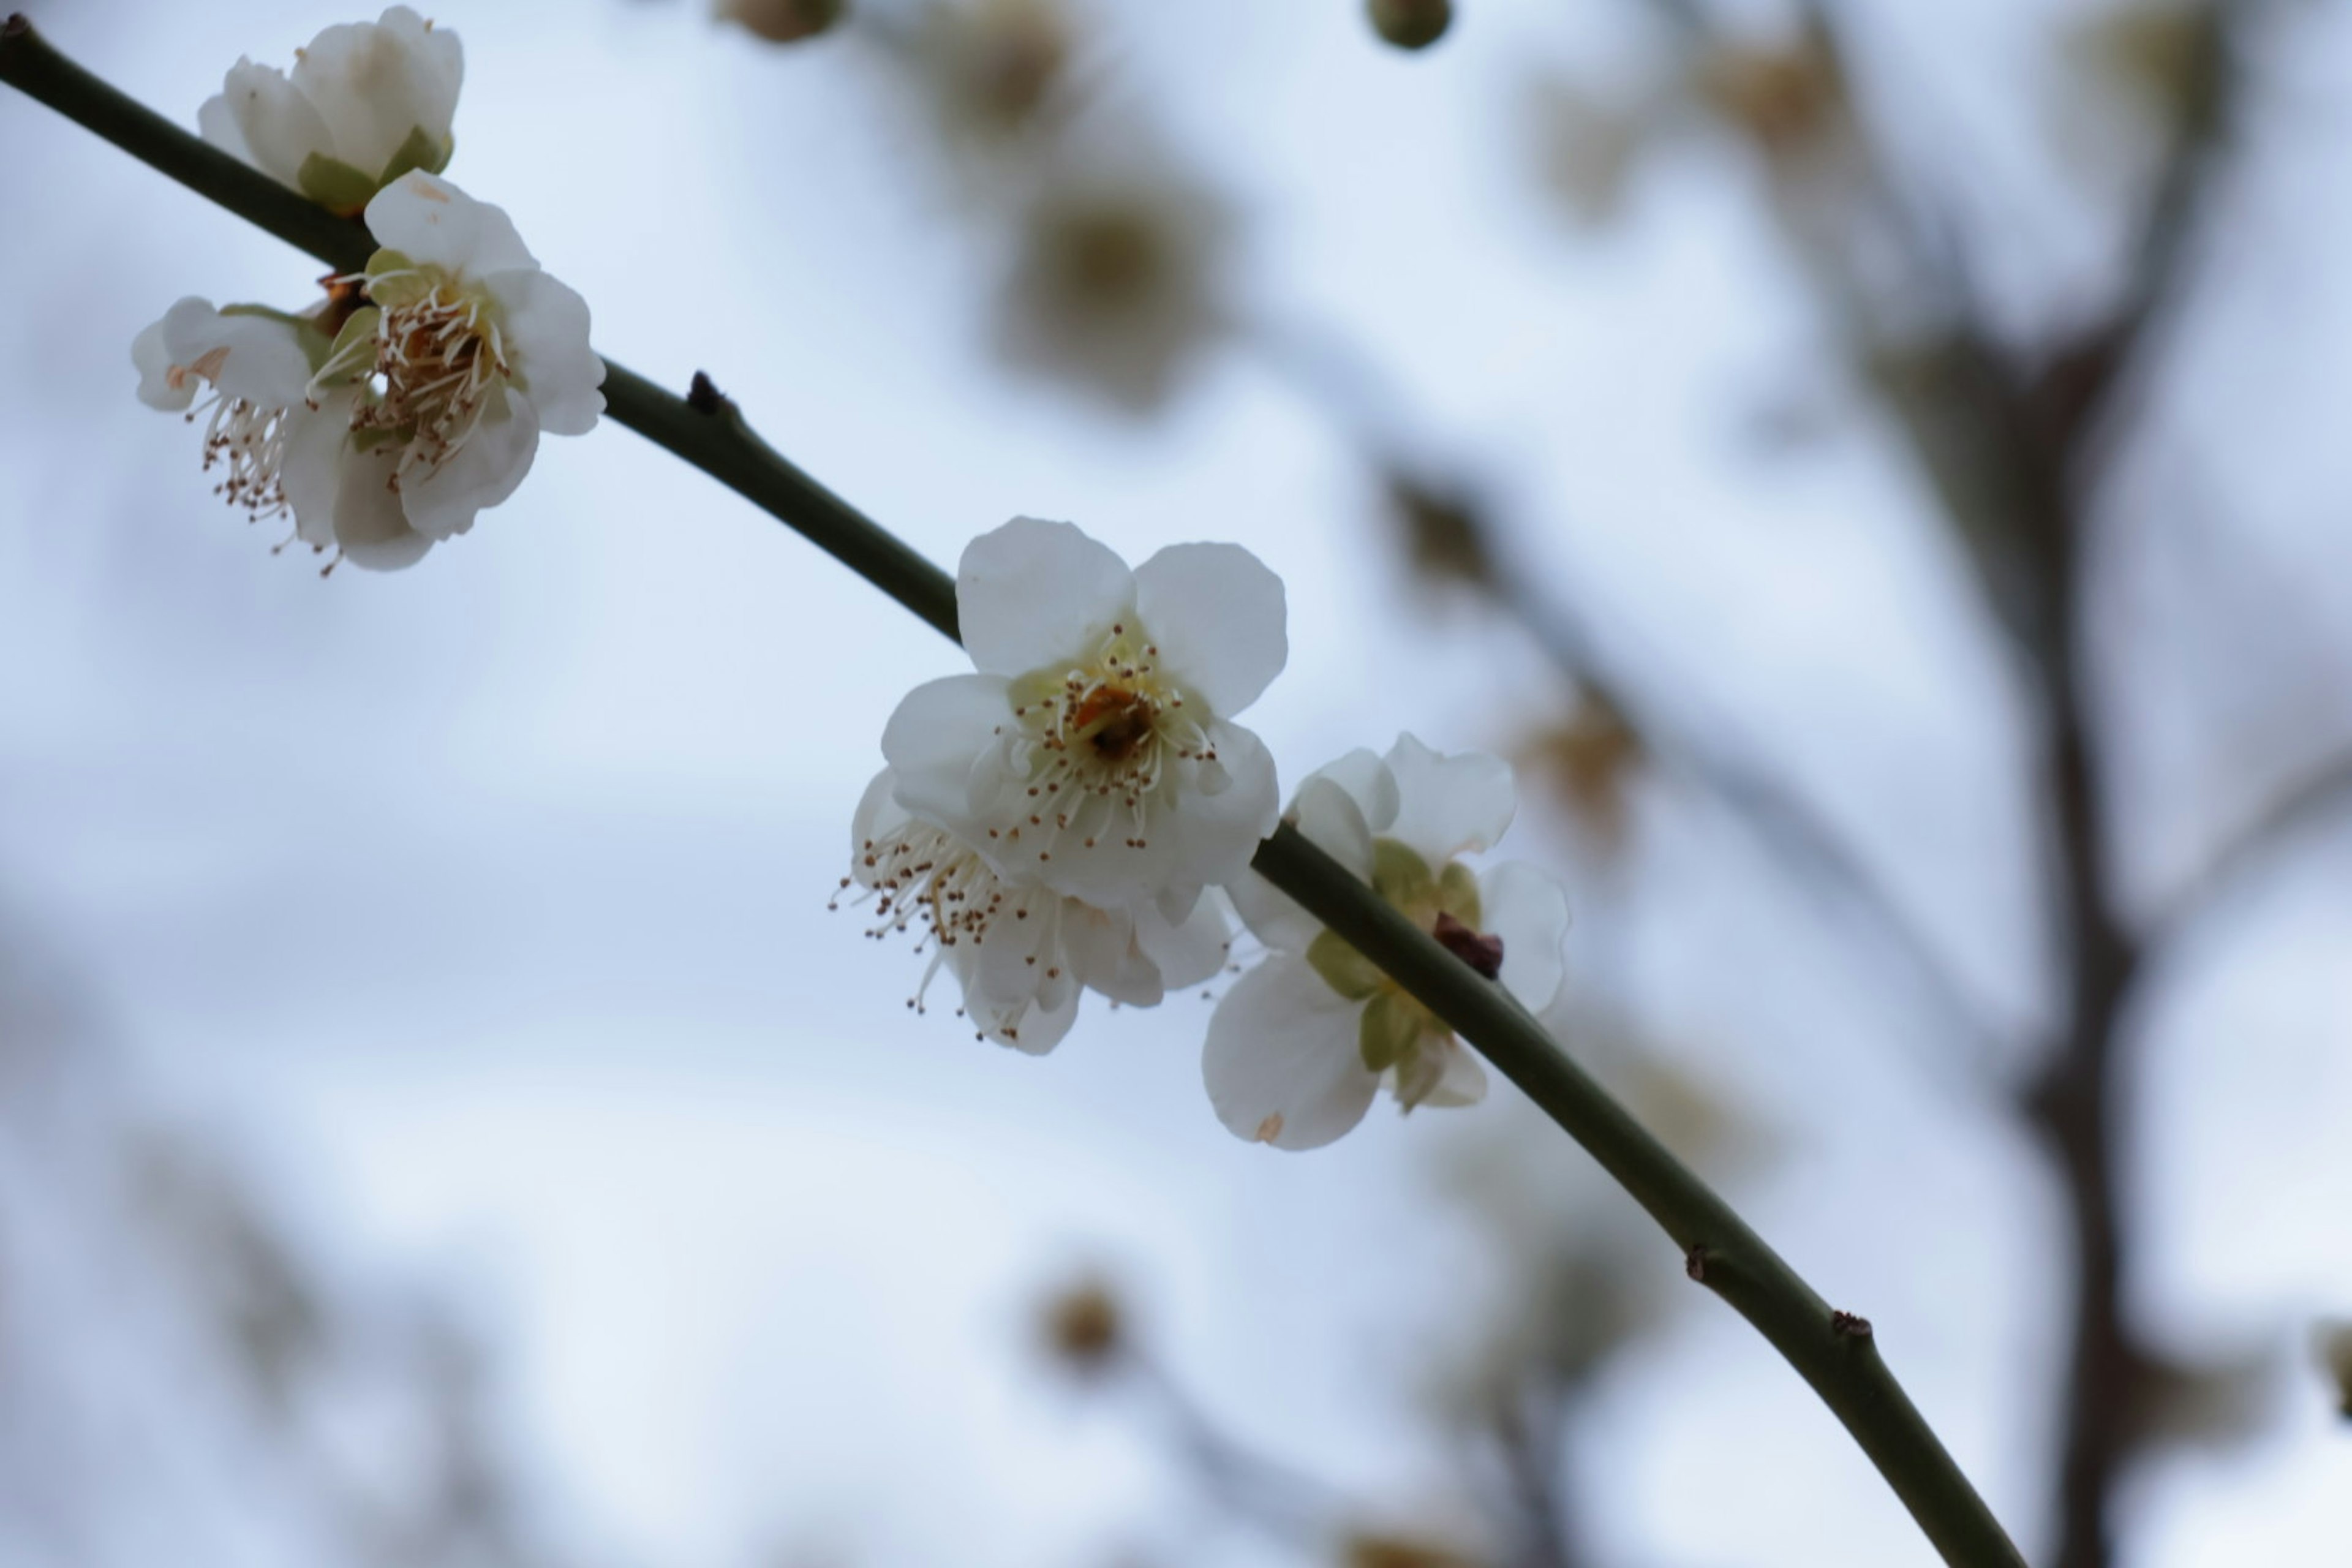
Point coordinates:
pixel 1833 1352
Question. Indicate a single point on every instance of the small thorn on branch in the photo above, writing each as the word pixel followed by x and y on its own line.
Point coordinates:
pixel 16 26
pixel 1694 1262
pixel 1850 1326
pixel 702 394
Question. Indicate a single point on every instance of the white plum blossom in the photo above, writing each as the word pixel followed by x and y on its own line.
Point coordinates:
pixel 367 103
pixel 1022 954
pixel 1095 750
pixel 1301 1045
pixel 411 399
pixel 255 367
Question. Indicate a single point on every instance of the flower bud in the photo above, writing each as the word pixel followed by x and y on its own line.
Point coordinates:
pixel 1084 1327
pixel 1411 24
pixel 782 21
pixel 2334 1342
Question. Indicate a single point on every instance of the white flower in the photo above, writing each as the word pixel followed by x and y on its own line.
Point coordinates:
pixel 1301 1045
pixel 256 366
pixel 413 398
pixel 1095 751
pixel 367 103
pixel 1020 954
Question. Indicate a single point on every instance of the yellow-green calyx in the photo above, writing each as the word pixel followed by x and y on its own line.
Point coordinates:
pixel 1397 1033
pixel 346 191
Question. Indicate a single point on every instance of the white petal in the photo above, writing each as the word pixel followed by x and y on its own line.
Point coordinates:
pixel 375 83
pixel 1449 806
pixel 429 220
pixel 369 523
pixel 1030 594
pixel 1191 952
pixel 216 122
pixel 257 358
pixel 937 737
pixel 547 340
pixel 1461 1081
pixel 1282 1063
pixel 1229 807
pixel 1327 816
pixel 1366 780
pixel 1528 911
pixel 442 501
pixel 1215 612
pixel 877 813
pixel 280 126
pixel 312 472
pixel 1105 950
pixel 151 352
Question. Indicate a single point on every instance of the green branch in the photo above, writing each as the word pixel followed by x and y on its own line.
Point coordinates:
pixel 1833 1352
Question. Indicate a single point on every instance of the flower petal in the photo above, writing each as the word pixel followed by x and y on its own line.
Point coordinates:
pixel 1461 1078
pixel 1188 953
pixel 1281 1062
pixel 1365 780
pixel 162 384
pixel 1529 911
pixel 1216 613
pixel 443 498
pixel 370 524
pixel 311 474
pixel 278 125
pixel 933 739
pixel 1449 806
pixel 1329 817
pixel 373 83
pixel 1032 593
pixel 1232 804
pixel 547 337
pixel 257 358
pixel 429 220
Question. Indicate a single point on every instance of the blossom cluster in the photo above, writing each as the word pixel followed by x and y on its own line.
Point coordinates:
pixel 1080 812
pixel 385 416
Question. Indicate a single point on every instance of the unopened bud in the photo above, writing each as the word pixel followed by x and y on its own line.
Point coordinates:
pixel 1411 24
pixel 2333 1342
pixel 1084 1326
pixel 782 21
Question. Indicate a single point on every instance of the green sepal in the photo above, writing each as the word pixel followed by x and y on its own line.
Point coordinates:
pixel 1388 1030
pixel 394 279
pixel 1401 875
pixel 352 353
pixel 334 185
pixel 1343 969
pixel 1457 894
pixel 419 152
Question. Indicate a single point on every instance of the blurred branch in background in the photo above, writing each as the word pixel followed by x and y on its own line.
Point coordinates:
pixel 180 1369
pixel 2016 438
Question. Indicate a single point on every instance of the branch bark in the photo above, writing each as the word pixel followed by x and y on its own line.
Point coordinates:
pixel 1835 1352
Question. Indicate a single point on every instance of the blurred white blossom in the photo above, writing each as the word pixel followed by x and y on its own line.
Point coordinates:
pixel 367 101
pixel 1094 750
pixel 1302 1044
pixel 1116 278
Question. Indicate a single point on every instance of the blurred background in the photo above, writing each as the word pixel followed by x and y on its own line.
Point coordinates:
pixel 1880 471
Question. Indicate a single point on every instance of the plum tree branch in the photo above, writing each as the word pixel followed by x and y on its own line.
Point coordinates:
pixel 1835 1352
